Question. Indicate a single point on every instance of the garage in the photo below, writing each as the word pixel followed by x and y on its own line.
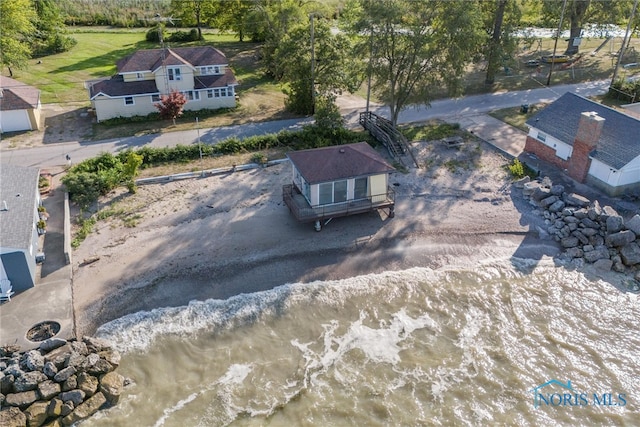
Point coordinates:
pixel 12 121
pixel 20 107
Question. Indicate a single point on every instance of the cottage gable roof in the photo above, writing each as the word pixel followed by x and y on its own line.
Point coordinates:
pixel 339 162
pixel 152 59
pixel 116 87
pixel 18 187
pixel 16 95
pixel 619 142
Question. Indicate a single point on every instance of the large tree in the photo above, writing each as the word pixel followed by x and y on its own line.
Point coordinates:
pixel 16 25
pixel 418 47
pixel 51 33
pixel 334 66
pixel 501 17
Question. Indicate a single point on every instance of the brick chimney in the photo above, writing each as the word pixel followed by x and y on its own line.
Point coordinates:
pixel 587 137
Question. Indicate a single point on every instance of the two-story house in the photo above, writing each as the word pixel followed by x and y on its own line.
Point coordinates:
pixel 202 74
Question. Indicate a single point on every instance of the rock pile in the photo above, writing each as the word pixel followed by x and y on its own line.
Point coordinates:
pixel 585 230
pixel 60 383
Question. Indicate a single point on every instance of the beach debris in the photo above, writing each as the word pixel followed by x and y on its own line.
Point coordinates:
pixel 88 261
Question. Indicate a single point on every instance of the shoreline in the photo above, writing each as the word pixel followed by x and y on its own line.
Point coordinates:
pixel 220 236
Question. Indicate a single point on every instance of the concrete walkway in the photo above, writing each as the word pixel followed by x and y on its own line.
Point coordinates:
pixel 51 299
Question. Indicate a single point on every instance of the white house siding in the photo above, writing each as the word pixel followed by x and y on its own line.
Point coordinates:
pixel 601 171
pixel 629 174
pixel 563 150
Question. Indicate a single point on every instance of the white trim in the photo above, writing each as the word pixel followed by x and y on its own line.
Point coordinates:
pixel 133 101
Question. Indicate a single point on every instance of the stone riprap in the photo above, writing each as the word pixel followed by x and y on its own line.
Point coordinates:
pixel 586 231
pixel 59 384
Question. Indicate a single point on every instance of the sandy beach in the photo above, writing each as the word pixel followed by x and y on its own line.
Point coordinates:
pixel 224 235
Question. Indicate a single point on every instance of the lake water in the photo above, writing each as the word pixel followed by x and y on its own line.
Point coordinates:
pixel 414 347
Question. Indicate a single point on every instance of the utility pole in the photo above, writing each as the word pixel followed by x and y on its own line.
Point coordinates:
pixel 313 67
pixel 624 41
pixel 555 45
pixel 200 148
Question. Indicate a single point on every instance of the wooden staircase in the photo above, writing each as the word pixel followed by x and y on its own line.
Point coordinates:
pixel 385 132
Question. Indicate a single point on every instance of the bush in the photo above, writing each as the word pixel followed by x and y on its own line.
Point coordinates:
pixel 517 169
pixel 153 34
pixel 183 36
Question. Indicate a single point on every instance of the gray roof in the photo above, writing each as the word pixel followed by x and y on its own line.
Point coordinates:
pixel 339 162
pixel 620 139
pixel 18 187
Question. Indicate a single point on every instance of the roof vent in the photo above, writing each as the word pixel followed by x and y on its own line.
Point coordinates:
pixel 341 150
pixel 4 205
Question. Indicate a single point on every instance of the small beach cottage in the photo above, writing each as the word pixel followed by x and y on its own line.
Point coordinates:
pixel 331 182
pixel 19 201
pixel 593 143
pixel 20 107
pixel 201 73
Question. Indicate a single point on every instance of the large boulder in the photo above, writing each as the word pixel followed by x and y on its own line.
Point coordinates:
pixel 50 369
pixel 540 193
pixel 600 252
pixel 112 356
pixel 621 238
pixel 64 374
pixel 88 408
pixel 603 264
pixel 569 242
pixel 28 381
pixel 111 386
pixel 574 199
pixel 630 254
pixel 589 223
pixel 634 224
pixel 51 344
pixel 36 413
pixel 32 360
pixel 59 356
pixel 557 206
pixel 55 407
pixel 12 417
pixel 96 345
pixel 614 223
pixel 21 400
pixel 87 383
pixel 48 389
pixel 75 396
pixel 548 201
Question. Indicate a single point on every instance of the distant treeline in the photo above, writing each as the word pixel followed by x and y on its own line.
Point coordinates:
pixel 117 13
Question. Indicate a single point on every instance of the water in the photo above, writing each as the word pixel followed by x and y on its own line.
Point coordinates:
pixel 415 347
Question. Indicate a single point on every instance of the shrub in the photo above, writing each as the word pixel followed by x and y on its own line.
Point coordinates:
pixel 153 34
pixel 517 169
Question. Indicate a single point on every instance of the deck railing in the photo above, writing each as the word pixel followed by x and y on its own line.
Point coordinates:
pixel 304 213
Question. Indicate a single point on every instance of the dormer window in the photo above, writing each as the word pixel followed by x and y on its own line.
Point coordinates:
pixel 542 137
pixel 174 74
pixel 140 76
pixel 210 69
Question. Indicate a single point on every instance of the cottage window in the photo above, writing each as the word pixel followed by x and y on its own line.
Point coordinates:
pixel 210 93
pixel 542 137
pixel 155 98
pixel 360 188
pixel 216 70
pixel 174 74
pixel 216 93
pixel 332 192
pixel 129 100
pixel 196 95
pixel 223 92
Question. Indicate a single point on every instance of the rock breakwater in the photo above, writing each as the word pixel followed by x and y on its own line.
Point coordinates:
pixel 58 384
pixel 587 232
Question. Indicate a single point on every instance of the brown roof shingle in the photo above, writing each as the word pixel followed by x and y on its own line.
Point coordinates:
pixel 339 162
pixel 17 95
pixel 152 59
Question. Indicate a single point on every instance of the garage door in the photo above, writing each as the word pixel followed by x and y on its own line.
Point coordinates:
pixel 11 121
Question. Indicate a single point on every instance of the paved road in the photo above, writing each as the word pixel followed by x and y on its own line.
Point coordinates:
pixel 459 110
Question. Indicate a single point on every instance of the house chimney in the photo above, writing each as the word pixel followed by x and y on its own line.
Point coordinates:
pixel 587 137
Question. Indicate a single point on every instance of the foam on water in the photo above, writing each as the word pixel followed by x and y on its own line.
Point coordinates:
pixel 408 347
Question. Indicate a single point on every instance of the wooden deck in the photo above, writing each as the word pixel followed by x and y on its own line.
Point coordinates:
pixel 301 210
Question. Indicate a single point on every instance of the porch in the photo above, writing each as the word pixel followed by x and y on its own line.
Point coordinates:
pixel 301 210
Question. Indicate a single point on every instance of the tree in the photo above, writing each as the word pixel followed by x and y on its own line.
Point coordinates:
pixel 418 47
pixel 16 24
pixel 334 67
pixel 132 161
pixel 502 42
pixel 170 106
pixel 235 17
pixel 194 12
pixel 50 35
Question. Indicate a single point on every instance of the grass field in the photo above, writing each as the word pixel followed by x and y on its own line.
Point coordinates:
pixel 61 77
